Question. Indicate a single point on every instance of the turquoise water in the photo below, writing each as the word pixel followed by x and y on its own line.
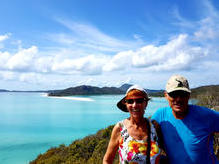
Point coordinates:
pixel 31 123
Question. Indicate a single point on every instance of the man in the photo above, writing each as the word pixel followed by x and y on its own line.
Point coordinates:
pixel 187 129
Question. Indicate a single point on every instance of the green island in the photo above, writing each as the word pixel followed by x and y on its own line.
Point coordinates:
pixel 93 90
pixel 91 149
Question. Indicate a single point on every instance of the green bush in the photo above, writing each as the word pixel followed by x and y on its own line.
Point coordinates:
pixel 211 100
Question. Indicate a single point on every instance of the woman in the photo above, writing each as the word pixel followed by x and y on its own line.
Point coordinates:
pixel 131 137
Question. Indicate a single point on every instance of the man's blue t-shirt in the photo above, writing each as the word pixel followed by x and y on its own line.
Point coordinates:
pixel 189 140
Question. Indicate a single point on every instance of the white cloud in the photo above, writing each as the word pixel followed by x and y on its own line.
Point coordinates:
pixel 4 37
pixel 6 75
pixel 23 60
pixel 63 39
pixel 4 57
pixel 176 54
pixel 42 64
pixel 181 61
pixel 32 78
pixel 209 29
pixel 120 61
pixel 86 65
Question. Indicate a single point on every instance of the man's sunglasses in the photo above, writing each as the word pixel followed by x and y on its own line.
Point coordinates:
pixel 138 101
pixel 175 94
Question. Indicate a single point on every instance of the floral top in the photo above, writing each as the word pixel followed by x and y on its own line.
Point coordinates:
pixel 132 151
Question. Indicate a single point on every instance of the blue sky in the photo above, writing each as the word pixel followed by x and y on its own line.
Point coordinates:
pixel 54 44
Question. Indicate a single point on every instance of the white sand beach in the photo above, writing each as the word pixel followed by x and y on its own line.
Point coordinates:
pixel 70 98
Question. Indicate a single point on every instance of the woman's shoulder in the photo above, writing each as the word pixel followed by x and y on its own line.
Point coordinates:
pixel 116 132
pixel 122 123
pixel 119 125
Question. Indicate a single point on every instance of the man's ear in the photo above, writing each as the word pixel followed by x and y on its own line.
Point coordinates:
pixel 165 94
pixel 189 95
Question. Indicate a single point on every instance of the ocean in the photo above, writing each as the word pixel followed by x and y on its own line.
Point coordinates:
pixel 31 123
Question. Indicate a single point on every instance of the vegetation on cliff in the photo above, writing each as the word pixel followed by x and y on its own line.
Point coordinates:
pixel 89 150
pixel 209 97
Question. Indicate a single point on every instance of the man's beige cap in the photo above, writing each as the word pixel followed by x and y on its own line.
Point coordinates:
pixel 176 83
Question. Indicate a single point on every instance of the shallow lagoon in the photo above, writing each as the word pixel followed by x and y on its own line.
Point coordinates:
pixel 31 123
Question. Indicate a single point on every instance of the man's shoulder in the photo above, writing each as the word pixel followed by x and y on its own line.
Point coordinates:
pixel 192 106
pixel 204 117
pixel 201 109
pixel 200 112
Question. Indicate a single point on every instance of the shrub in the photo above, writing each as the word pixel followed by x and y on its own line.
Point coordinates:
pixel 211 100
pixel 90 149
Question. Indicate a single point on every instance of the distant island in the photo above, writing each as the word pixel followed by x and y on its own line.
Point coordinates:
pixel 93 90
pixel 4 90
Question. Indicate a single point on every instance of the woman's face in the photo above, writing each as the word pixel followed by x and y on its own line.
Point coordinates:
pixel 136 105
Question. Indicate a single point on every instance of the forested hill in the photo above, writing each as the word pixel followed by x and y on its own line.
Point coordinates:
pixel 3 90
pixel 207 96
pixel 210 89
pixel 86 90
pixel 93 90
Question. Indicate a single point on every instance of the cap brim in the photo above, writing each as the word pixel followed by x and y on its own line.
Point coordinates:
pixel 179 89
pixel 121 105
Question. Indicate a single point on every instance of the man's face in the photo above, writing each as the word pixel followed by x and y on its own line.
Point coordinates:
pixel 178 101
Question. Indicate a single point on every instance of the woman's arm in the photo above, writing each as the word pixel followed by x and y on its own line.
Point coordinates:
pixel 112 146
